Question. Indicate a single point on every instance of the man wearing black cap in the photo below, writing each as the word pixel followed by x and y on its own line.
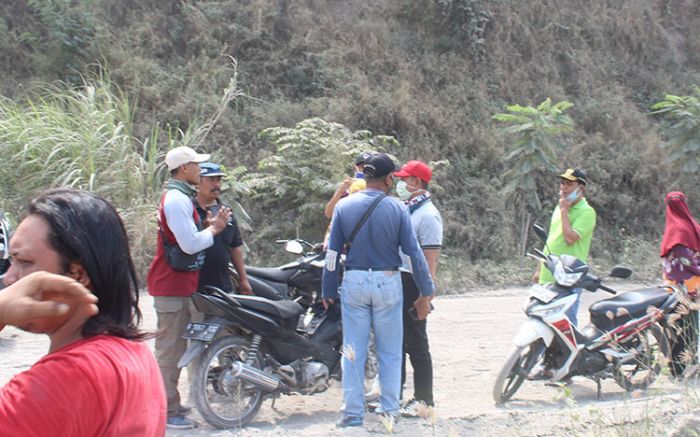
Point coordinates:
pixel 372 295
pixel 571 228
pixel 349 185
pixel 227 245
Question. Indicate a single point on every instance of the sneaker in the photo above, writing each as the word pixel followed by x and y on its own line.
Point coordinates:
pixel 413 408
pixel 373 406
pixel 348 421
pixel 180 422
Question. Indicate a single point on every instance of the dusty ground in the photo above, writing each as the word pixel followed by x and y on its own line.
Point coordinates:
pixel 470 337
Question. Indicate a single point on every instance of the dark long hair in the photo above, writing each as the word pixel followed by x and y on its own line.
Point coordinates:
pixel 86 229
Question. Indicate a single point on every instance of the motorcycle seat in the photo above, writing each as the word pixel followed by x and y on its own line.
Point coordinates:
pixel 284 309
pixel 270 273
pixel 634 302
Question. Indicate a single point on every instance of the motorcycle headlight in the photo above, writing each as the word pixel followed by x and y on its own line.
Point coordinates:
pixel 563 277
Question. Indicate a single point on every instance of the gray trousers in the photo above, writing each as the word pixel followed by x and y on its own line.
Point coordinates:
pixel 173 314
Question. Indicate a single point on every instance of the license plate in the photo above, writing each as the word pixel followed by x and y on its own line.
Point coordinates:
pixel 543 294
pixel 200 331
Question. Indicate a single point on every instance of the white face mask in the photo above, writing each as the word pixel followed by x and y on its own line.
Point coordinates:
pixel 572 196
pixel 402 190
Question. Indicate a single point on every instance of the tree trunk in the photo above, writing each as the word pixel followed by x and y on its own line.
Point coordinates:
pixel 525 227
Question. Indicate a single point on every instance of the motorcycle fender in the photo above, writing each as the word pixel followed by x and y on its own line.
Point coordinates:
pixel 531 330
pixel 195 348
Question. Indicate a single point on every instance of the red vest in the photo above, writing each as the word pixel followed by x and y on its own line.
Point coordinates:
pixel 162 279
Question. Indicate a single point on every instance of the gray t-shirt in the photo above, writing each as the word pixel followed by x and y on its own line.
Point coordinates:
pixel 427 224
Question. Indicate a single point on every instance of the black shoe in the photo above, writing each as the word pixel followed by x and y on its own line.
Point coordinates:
pixel 183 409
pixel 414 408
pixel 348 421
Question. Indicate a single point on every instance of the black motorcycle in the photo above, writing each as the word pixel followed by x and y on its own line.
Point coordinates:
pixel 255 347
pixel 299 280
pixel 262 353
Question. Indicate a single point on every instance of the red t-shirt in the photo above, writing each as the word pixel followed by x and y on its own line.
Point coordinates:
pixel 98 386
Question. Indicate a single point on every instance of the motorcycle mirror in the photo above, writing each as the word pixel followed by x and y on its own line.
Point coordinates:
pixel 620 272
pixel 540 232
pixel 294 246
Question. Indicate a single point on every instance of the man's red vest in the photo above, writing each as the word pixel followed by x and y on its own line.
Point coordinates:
pixel 162 279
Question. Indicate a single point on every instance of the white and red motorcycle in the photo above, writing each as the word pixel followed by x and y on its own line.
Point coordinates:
pixel 625 340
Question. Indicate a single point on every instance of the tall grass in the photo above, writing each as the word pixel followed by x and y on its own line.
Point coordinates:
pixel 80 137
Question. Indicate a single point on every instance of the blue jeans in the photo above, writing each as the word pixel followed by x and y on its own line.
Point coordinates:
pixel 573 309
pixel 371 299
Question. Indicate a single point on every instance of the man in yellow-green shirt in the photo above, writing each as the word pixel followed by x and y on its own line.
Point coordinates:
pixel 571 228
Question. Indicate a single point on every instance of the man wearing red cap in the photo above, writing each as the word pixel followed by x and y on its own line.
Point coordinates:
pixel 427 224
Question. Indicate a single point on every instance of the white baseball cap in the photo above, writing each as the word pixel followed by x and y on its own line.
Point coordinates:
pixel 182 155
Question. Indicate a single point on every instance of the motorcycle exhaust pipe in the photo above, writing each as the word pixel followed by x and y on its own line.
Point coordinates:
pixel 255 376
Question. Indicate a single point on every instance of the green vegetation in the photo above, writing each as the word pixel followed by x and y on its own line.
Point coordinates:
pixel 310 159
pixel 536 149
pixel 682 116
pixel 428 73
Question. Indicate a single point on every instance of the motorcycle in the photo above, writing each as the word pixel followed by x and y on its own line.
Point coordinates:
pixel 625 341
pixel 299 280
pixel 251 348
pixel 263 353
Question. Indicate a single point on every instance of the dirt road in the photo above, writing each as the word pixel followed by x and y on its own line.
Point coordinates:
pixel 470 337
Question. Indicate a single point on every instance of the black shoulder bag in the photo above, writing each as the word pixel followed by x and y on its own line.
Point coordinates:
pixel 363 219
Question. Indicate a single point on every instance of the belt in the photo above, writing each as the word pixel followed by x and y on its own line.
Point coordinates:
pixel 372 269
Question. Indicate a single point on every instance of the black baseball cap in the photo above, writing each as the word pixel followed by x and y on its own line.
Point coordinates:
pixel 575 174
pixel 380 165
pixel 362 158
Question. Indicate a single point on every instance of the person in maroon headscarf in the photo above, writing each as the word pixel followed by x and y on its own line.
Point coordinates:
pixel 680 249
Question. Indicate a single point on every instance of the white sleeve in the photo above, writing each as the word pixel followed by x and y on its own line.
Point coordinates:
pixel 178 210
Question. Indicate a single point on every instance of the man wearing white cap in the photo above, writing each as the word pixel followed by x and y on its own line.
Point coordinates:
pixel 174 272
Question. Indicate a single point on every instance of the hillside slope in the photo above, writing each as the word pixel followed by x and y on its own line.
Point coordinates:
pixel 429 72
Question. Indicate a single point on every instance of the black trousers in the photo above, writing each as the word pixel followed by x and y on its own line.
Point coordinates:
pixel 415 345
pixel 685 343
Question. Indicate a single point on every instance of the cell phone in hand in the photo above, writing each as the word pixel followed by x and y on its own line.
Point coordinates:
pixel 414 315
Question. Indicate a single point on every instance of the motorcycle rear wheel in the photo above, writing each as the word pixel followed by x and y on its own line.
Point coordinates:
pixel 223 401
pixel 641 372
pixel 515 370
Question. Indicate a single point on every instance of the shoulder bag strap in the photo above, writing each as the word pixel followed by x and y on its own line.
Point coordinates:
pixel 348 244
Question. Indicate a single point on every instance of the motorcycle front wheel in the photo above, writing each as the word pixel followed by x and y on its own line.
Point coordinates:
pixel 650 348
pixel 222 400
pixel 516 369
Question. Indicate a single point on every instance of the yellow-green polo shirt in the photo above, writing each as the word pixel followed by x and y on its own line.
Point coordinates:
pixel 582 217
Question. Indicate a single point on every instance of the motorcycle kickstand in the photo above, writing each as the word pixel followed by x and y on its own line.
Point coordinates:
pixel 598 386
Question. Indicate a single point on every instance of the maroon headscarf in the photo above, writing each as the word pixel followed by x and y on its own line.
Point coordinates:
pixel 681 227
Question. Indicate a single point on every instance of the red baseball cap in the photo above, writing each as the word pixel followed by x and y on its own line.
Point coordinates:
pixel 418 169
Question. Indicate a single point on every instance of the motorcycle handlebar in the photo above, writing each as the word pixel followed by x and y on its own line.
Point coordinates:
pixel 608 289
